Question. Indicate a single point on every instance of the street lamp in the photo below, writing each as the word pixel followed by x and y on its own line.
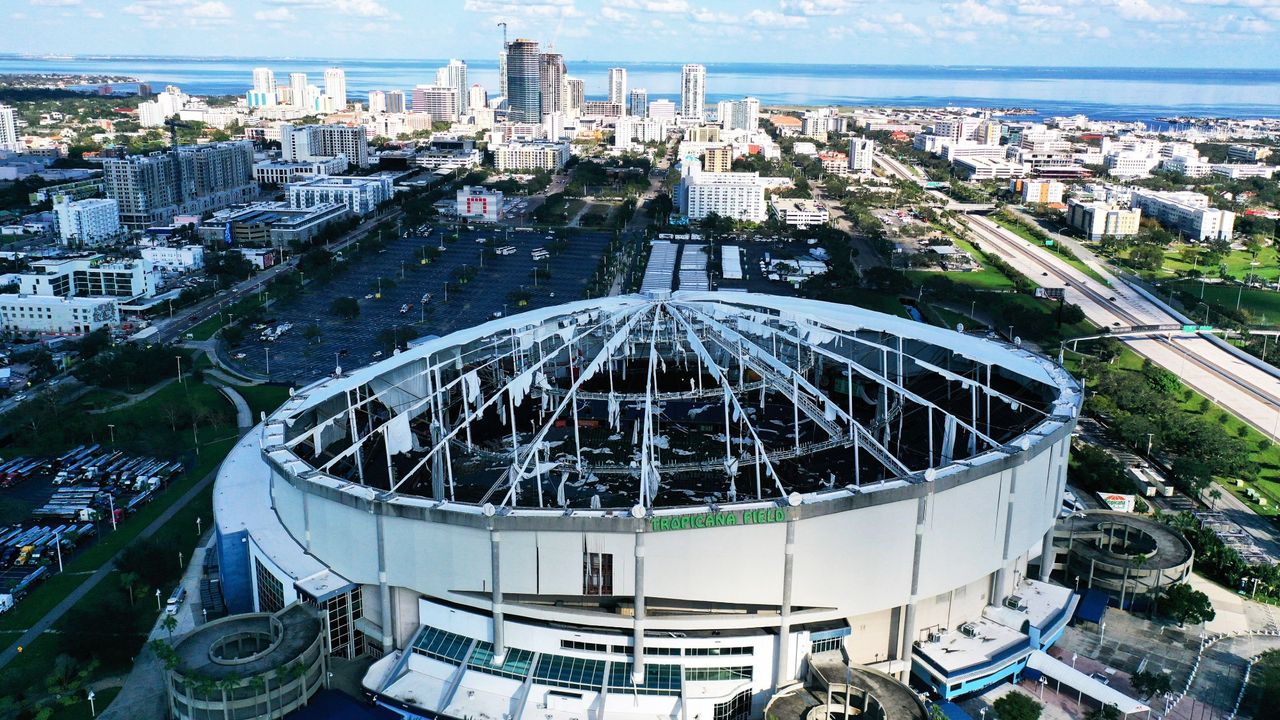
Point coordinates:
pixel 199 526
pixel 111 503
pixel 179 359
pixel 158 608
pixel 268 352
pixel 93 710
pixel 112 429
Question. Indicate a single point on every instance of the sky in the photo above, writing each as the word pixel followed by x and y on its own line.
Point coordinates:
pixel 1132 33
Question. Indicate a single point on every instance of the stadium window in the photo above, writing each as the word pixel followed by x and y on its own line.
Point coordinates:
pixel 597 573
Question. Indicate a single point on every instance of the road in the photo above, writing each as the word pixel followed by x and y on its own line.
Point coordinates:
pixel 171 329
pixel 1247 392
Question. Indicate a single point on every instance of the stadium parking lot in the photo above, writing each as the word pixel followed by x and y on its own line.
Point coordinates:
pixel 294 358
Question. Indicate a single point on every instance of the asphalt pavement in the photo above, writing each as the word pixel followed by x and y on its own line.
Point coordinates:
pixel 404 282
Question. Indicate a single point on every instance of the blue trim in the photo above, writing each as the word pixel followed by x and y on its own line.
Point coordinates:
pixel 829 634
pixel 233 570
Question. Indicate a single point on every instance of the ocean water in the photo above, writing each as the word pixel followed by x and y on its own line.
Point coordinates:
pixel 1104 93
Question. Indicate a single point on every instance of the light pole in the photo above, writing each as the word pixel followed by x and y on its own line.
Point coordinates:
pixel 179 359
pixel 57 544
pixel 1150 438
pixel 199 526
pixel 179 559
pixel 158 608
pixel 93 710
pixel 112 429
pixel 268 352
pixel 111 503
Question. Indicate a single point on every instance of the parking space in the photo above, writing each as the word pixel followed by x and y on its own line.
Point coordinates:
pixel 354 343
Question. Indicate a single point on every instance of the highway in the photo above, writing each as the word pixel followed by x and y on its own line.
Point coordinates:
pixel 1244 390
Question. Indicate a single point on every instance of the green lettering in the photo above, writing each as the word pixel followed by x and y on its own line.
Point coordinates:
pixel 731 519
pixel 654 524
pixel 700 521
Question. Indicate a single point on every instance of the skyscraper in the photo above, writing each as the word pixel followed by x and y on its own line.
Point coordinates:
pixel 8 129
pixel 439 102
pixel 502 69
pixel 377 101
pixel 335 87
pixel 741 114
pixel 264 81
pixel 551 86
pixel 395 101
pixel 454 75
pixel 618 85
pixel 575 93
pixel 153 188
pixel 477 98
pixel 524 94
pixel 693 91
pixel 298 89
pixel 638 103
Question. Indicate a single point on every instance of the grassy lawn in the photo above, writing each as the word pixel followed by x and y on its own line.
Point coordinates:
pixel 986 278
pixel 102 398
pixel 1023 233
pixel 263 398
pixel 1264 687
pixel 1263 304
pixel 1266 460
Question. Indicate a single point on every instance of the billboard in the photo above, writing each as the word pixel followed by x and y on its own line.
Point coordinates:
pixel 1116 501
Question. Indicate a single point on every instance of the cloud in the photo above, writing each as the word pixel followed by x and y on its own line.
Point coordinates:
pixel 276 14
pixel 817 7
pixel 517 8
pixel 354 8
pixel 1144 11
pixel 667 6
pixel 210 9
pixel 55 3
pixel 776 20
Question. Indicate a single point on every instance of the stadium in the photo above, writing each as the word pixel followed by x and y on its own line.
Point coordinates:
pixel 672 504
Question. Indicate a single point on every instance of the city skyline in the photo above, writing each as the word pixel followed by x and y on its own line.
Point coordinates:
pixel 1047 33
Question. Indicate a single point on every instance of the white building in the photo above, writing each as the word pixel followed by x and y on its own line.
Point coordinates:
pixel 1038 192
pixel 454 77
pixel 477 98
pixel 313 143
pixel 153 113
pixel 618 85
pixel 531 155
pixel 8 129
pixel 1186 212
pixel 739 196
pixel 980 168
pixel 662 110
pixel 1130 163
pixel 693 92
pixel 335 87
pixel 741 114
pixel 801 213
pixel 361 195
pixel 1241 171
pixel 85 223
pixel 298 90
pixel 88 275
pixel 479 203
pixel 1193 166
pixel 283 173
pixel 862 153
pixel 51 315
pixel 1099 219
pixel 174 259
pixel 440 102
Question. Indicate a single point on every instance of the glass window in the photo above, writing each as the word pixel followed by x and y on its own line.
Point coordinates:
pixel 515 665
pixel 658 679
pixel 737 708
pixel 570 672
pixel 717 673
pixel 442 645
pixel 718 651
pixel 826 645
pixel 270 589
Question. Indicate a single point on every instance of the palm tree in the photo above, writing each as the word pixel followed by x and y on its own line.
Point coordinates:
pixel 130 581
pixel 169 623
pixel 258 683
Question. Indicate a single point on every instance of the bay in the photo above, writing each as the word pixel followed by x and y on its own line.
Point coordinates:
pixel 1132 94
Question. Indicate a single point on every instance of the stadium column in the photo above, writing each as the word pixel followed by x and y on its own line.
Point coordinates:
pixel 909 616
pixel 495 550
pixel 1047 556
pixel 1002 574
pixel 784 629
pixel 637 660
pixel 379 507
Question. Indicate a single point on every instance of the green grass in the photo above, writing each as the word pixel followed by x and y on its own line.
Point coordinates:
pixel 1238 262
pixel 80 710
pixel 102 398
pixel 263 398
pixel 1263 690
pixel 1022 232
pixel 985 279
pixel 1262 304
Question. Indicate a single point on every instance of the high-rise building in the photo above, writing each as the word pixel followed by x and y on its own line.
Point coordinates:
pixel 575 93
pixel 477 98
pixel 662 110
pixel 298 90
pixel 264 80
pixel 638 103
pixel 551 82
pixel 395 101
pixel 693 91
pixel 335 87
pixel 524 93
pixel 454 75
pixel 84 223
pixel 151 189
pixel 439 102
pixel 741 114
pixel 502 69
pixel 862 152
pixel 377 101
pixel 8 129
pixel 618 85
pixel 311 143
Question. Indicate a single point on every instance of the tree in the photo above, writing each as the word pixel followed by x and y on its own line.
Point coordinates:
pixel 1151 683
pixel 311 332
pixel 1185 604
pixel 169 623
pixel 347 308
pixel 1016 706
pixel 1106 712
